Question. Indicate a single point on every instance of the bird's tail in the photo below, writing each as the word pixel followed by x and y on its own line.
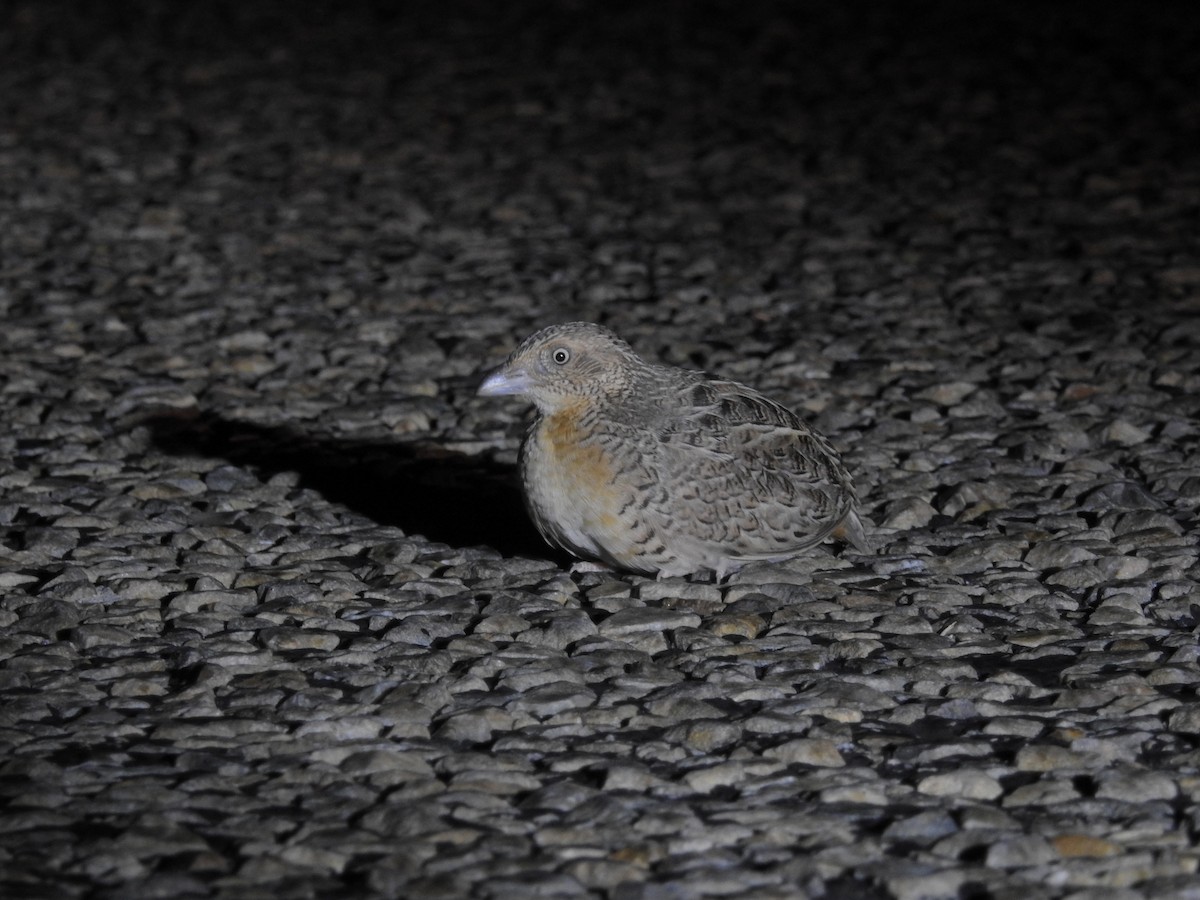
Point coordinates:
pixel 851 529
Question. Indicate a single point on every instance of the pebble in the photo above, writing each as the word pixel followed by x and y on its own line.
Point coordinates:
pixel 1020 851
pixel 636 620
pixel 1084 845
pixel 1043 793
pixel 1049 758
pixel 1133 786
pixel 908 513
pixel 808 752
pixel 932 884
pixel 1185 719
pixel 965 783
pixel 923 828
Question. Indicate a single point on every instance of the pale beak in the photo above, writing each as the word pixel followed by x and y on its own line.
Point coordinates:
pixel 503 382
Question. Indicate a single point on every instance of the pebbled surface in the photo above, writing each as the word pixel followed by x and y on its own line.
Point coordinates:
pixel 272 619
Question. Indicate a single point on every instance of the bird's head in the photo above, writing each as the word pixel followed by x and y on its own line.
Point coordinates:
pixel 564 364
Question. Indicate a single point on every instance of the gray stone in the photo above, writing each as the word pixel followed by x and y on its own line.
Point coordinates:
pixel 808 752
pixel 1133 786
pixel 1020 851
pixel 922 828
pixel 636 620
pixel 968 784
pixel 1185 719
pixel 932 884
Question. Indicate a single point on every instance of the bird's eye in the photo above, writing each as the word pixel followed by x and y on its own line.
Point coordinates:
pixel 561 356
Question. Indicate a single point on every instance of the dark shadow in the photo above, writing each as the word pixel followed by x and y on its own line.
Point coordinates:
pixel 419 487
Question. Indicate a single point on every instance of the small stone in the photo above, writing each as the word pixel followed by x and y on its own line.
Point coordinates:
pixel 1048 758
pixel 1020 851
pixel 475 727
pixel 746 626
pixel 604 874
pixel 1185 719
pixel 559 629
pixel 500 624
pixel 1181 276
pixel 1044 792
pixel 675 589
pixel 908 513
pixel 15 579
pixel 550 699
pixel 948 393
pixel 492 781
pixel 286 639
pixel 636 620
pixel 168 489
pixel 721 775
pixel 924 827
pixel 1073 846
pixel 1132 786
pixel 934 884
pixel 629 777
pixel 706 735
pixel 230 478
pixel 1118 495
pixel 1125 433
pixel 1114 612
pixel 865 793
pixel 1057 555
pixel 1077 578
pixel 343 728
pixel 138 687
pixel 968 784
pixel 807 752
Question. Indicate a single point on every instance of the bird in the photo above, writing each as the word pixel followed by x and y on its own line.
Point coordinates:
pixel 664 471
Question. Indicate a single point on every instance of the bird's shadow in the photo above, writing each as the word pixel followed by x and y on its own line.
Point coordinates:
pixel 420 487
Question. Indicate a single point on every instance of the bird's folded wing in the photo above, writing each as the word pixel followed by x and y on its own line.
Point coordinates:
pixel 732 441
pixel 724 420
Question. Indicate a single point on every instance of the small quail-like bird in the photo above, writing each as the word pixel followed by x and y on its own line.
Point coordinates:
pixel 666 471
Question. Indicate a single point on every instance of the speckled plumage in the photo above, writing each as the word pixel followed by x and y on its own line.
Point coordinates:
pixel 666 471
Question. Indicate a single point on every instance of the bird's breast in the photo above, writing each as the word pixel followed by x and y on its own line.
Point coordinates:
pixel 573 447
pixel 571 481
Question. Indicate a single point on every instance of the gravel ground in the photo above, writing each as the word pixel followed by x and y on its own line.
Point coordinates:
pixel 272 619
